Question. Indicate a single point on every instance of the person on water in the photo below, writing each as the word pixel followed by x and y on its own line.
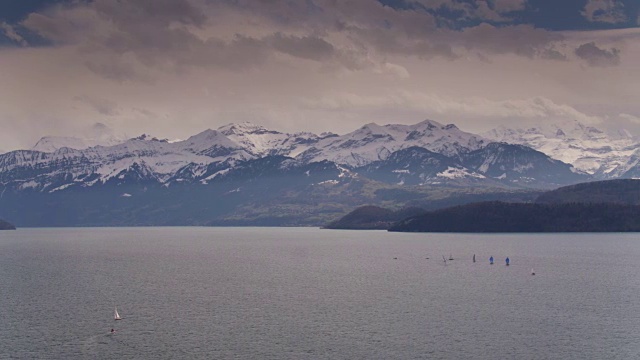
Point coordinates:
pixel 507 261
pixel 112 331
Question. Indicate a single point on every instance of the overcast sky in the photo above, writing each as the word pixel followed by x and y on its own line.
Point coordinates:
pixel 173 68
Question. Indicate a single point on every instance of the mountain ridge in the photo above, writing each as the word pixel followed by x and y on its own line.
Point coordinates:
pixel 375 162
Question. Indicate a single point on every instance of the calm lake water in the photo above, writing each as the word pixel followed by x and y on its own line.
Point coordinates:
pixel 304 293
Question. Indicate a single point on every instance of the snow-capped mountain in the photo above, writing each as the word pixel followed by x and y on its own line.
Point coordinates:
pixel 520 165
pixel 98 134
pixel 236 169
pixel 260 141
pixel 373 142
pixel 418 166
pixel 424 153
pixel 494 164
pixel 143 156
pixel 587 148
pixel 630 169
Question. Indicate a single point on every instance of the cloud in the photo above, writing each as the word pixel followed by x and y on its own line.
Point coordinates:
pixel 305 47
pixel 317 65
pixel 11 33
pixel 394 69
pixel 63 25
pixel 630 118
pixel 505 6
pixel 476 107
pixel 605 11
pixel 492 10
pixel 522 40
pixel 596 56
pixel 100 105
pixel 132 40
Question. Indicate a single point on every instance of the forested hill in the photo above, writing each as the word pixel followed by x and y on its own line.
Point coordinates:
pixel 625 191
pixel 372 217
pixel 513 217
pixel 6 226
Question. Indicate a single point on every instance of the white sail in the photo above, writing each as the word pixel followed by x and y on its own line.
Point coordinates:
pixel 116 316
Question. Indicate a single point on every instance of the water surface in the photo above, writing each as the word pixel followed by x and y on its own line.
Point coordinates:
pixel 304 293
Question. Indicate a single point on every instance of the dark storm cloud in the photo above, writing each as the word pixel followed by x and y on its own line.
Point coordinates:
pixel 306 47
pixel 553 54
pixel 125 39
pixel 505 6
pixel 523 40
pixel 58 30
pixel 605 11
pixel 596 56
pixel 151 13
pixel 11 33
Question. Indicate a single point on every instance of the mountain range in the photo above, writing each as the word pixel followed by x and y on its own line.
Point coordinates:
pixel 252 175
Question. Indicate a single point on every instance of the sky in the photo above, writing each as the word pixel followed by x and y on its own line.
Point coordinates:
pixel 173 68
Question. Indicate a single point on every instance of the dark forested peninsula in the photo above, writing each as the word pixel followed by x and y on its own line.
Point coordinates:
pixel 514 217
pixel 6 226
pixel 373 218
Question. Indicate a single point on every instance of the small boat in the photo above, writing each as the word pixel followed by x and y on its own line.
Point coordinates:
pixel 450 257
pixel 507 261
pixel 533 272
pixel 491 260
pixel 116 316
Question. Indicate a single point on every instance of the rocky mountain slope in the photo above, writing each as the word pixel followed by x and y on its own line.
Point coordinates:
pixel 267 171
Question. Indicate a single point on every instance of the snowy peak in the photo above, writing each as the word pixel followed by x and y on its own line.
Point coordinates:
pixel 518 164
pixel 568 129
pixel 206 138
pixel 97 135
pixel 424 153
pixel 53 143
pixel 244 128
pixel 373 142
pixel 588 148
pixel 259 141
pixel 213 144
pixel 371 129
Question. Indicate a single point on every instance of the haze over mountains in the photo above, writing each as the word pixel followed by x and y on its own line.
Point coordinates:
pixel 587 148
pixel 98 134
pixel 240 161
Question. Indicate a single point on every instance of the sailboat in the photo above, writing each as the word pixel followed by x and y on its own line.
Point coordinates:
pixel 116 316
pixel 450 257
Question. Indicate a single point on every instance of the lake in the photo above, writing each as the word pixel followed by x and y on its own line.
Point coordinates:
pixel 306 293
